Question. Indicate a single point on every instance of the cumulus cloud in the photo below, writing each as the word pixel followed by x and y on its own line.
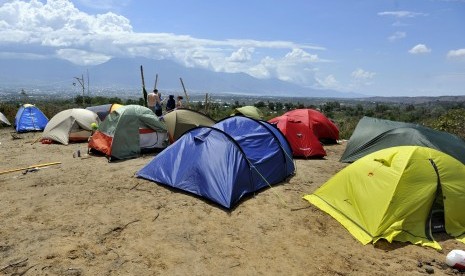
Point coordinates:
pixel 241 55
pixel 329 82
pixel 361 78
pixel 402 14
pixel 458 54
pixel 361 74
pixel 419 49
pixel 397 36
pixel 297 66
pixel 58 29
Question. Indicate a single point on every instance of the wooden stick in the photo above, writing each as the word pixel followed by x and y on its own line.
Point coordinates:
pixel 31 167
pixel 185 92
pixel 36 140
pixel 144 92
pixel 156 81
pixel 206 103
pixel 13 264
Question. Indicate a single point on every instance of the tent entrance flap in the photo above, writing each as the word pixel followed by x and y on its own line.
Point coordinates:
pixel 436 222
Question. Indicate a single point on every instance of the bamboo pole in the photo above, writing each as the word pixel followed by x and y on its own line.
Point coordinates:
pixel 144 92
pixel 206 103
pixel 156 81
pixel 185 92
pixel 31 167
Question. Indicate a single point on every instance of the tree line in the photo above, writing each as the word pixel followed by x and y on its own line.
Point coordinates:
pixel 443 116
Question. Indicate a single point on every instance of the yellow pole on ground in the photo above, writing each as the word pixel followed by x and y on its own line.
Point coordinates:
pixel 31 167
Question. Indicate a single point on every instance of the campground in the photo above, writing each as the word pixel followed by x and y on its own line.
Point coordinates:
pixel 86 216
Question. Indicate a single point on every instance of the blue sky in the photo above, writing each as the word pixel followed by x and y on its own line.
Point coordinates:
pixel 383 48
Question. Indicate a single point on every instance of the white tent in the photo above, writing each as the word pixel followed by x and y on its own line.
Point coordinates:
pixel 4 120
pixel 71 125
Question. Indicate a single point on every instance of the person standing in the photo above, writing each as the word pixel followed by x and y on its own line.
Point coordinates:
pixel 179 102
pixel 154 102
pixel 170 104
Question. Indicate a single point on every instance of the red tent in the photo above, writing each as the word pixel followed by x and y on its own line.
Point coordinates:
pixel 305 129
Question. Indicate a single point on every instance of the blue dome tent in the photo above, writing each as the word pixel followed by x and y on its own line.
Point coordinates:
pixel 30 118
pixel 222 163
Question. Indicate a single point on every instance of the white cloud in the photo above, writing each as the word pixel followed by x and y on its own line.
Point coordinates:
pixel 299 55
pixel 59 29
pixel 297 66
pixel 458 54
pixel 361 74
pixel 81 57
pixel 241 55
pixel 402 14
pixel 361 78
pixel 329 82
pixel 397 36
pixel 420 49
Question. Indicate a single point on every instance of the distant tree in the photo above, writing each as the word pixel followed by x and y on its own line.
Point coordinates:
pixel 369 113
pixel 330 106
pixel 132 101
pixel 279 106
pixel 380 108
pixel 311 106
pixel 410 107
pixel 78 100
pixel 199 106
pixel 260 104
pixel 289 106
pixel 271 106
pixel 115 100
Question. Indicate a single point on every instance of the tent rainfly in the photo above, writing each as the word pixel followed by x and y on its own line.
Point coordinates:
pixel 223 163
pixel 394 193
pixel 372 134
pixel 30 118
pixel 71 125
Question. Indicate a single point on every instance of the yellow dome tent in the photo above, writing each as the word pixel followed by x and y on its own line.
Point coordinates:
pixel 389 195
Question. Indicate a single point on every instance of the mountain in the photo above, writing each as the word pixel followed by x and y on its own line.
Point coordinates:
pixel 125 73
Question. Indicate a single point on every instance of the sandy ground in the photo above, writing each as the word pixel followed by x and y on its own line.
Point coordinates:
pixel 86 216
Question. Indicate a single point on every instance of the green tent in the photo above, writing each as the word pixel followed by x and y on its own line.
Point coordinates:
pixel 127 131
pixel 390 195
pixel 372 134
pixel 249 111
pixel 181 120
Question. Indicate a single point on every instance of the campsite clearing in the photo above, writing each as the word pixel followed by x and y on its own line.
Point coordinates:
pixel 86 216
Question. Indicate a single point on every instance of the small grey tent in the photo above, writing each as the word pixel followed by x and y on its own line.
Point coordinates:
pixel 372 134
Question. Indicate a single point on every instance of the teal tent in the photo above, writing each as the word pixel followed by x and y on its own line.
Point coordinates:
pixel 372 134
